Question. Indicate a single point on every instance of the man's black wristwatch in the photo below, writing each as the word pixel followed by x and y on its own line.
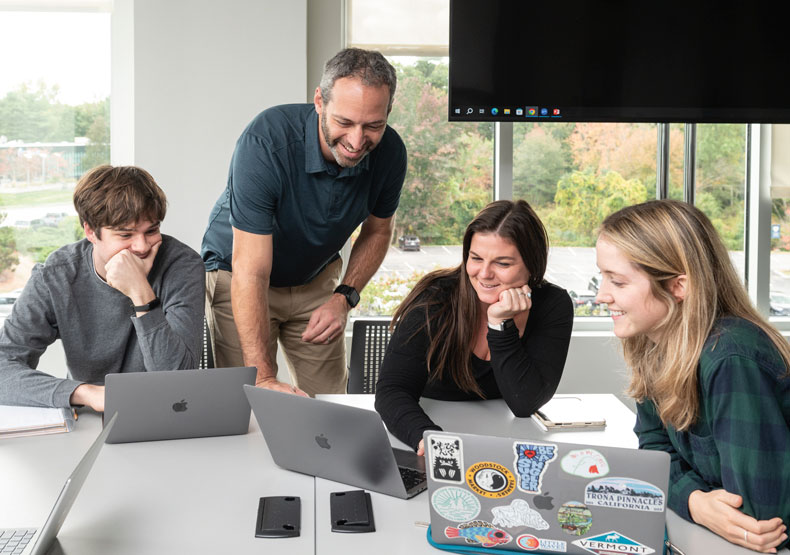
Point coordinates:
pixel 351 295
pixel 150 306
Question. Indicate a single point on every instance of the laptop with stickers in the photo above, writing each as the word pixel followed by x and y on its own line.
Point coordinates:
pixel 337 442
pixel 491 493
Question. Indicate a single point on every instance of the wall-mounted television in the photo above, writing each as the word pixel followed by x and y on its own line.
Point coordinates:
pixel 619 60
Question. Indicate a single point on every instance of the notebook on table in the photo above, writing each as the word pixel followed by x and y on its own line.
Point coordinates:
pixel 28 541
pixel 337 442
pixel 178 404
pixel 493 493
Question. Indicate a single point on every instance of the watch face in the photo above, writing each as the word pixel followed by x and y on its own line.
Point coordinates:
pixel 351 295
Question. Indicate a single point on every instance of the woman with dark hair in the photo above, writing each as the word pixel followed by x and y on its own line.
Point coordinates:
pixel 489 328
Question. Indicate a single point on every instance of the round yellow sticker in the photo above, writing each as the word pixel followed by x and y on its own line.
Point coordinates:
pixel 490 479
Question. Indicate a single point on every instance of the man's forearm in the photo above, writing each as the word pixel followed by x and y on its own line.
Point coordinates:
pixel 367 254
pixel 250 301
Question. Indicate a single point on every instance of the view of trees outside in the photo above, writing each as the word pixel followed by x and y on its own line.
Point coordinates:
pixel 50 134
pixel 573 174
pixel 449 179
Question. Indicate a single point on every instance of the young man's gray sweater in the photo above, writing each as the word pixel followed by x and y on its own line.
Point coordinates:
pixel 65 299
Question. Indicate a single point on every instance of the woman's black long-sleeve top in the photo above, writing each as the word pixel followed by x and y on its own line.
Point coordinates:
pixel 525 370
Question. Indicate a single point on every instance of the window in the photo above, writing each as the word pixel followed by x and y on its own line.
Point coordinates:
pixel 574 175
pixel 54 125
pixel 450 172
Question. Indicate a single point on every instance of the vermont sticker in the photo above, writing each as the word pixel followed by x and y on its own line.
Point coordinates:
pixel 624 493
pixel 574 518
pixel 528 542
pixel 446 458
pixel 585 463
pixel 455 504
pixel 518 513
pixel 490 479
pixel 531 462
pixel 613 542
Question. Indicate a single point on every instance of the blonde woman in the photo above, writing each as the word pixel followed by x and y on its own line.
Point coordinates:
pixel 709 373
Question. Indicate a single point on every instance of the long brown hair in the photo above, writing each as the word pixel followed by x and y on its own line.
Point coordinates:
pixel 451 320
pixel 666 239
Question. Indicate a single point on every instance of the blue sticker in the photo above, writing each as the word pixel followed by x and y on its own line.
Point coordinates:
pixel 531 462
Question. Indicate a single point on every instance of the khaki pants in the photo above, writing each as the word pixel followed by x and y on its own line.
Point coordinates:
pixel 313 368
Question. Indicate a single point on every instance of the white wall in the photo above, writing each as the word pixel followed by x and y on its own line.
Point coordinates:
pixel 188 76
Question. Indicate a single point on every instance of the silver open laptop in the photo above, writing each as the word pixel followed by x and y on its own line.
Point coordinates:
pixel 545 496
pixel 337 442
pixel 27 541
pixel 178 404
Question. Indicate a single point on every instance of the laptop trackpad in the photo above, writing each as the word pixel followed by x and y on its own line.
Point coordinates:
pixel 409 459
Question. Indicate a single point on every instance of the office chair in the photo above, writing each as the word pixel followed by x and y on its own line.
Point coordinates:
pixel 368 343
pixel 207 352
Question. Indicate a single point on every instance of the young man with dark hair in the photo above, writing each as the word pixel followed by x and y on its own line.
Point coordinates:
pixel 124 299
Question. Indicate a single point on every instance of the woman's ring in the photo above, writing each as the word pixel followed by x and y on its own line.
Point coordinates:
pixel 529 295
pixel 746 536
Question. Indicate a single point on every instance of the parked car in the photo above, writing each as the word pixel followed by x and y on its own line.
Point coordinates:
pixel 54 218
pixel 581 298
pixel 409 243
pixel 10 297
pixel 780 304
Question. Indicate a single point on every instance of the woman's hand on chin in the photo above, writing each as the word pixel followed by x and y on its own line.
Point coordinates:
pixel 511 303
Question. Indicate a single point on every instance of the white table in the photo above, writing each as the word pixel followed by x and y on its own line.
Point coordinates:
pixel 201 495
pixel 163 497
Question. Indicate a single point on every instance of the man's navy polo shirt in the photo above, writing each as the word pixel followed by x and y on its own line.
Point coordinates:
pixel 280 184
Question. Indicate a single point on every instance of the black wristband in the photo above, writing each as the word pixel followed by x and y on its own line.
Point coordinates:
pixel 503 325
pixel 351 294
pixel 146 307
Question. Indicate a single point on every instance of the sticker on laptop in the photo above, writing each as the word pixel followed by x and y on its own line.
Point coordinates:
pixel 446 458
pixel 455 503
pixel 490 479
pixel 624 493
pixel 479 532
pixel 531 462
pixel 613 542
pixel 574 518
pixel 518 513
pixel 585 463
pixel 528 542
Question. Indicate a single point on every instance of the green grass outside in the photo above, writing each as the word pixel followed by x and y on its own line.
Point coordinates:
pixel 48 196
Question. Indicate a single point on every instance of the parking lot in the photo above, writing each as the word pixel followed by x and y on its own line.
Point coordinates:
pixel 569 267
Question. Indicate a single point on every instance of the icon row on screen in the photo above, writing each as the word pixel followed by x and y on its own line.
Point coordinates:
pixel 528 111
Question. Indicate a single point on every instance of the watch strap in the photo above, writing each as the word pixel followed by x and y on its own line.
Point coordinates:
pixel 503 325
pixel 149 306
pixel 351 294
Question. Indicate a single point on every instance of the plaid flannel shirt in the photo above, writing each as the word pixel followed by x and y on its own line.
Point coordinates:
pixel 741 440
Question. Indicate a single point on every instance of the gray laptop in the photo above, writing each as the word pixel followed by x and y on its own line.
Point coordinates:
pixel 545 496
pixel 337 442
pixel 178 404
pixel 27 541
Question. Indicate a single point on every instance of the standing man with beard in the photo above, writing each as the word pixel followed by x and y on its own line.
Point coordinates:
pixel 302 178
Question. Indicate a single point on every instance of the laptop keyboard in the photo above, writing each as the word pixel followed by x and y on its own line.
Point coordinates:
pixel 411 478
pixel 14 541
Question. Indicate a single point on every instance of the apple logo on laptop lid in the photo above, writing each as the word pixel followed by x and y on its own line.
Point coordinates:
pixel 181 406
pixel 322 442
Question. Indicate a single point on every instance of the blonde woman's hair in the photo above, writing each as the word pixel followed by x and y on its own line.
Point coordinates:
pixel 666 239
